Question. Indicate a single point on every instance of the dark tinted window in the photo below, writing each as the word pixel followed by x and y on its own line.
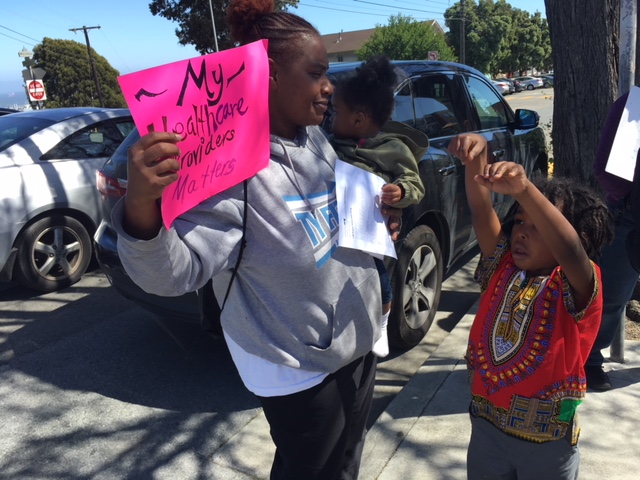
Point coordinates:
pixel 489 106
pixel 439 106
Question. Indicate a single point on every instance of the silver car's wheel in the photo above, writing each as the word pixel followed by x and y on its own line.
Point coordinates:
pixel 53 253
pixel 417 282
pixel 529 87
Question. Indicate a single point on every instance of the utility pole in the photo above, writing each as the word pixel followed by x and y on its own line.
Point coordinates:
pixel 92 61
pixel 463 33
pixel 213 22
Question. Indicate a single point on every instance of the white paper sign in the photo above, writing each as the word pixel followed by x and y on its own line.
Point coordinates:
pixel 624 151
pixel 362 225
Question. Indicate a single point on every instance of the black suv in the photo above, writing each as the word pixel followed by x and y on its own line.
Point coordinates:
pixel 439 98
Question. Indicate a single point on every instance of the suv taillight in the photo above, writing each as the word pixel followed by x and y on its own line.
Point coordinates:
pixel 109 186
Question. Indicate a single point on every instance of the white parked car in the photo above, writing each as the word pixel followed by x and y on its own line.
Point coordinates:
pixel 503 87
pixel 529 83
pixel 49 205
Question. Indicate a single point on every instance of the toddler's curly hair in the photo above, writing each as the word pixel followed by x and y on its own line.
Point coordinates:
pixel 370 89
pixel 583 207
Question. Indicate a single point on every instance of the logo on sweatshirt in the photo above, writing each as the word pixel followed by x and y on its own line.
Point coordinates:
pixel 318 215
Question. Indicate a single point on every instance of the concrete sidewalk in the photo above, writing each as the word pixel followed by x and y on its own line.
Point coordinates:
pixel 424 432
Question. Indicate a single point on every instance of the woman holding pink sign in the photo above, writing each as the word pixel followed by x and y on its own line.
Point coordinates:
pixel 302 314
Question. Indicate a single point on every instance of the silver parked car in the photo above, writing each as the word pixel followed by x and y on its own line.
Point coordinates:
pixel 50 207
pixel 529 83
pixel 547 80
pixel 503 87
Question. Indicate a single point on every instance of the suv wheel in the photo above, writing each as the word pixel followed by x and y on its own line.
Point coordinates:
pixel 53 253
pixel 417 281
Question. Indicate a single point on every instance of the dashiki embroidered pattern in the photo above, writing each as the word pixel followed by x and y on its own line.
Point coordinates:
pixel 515 353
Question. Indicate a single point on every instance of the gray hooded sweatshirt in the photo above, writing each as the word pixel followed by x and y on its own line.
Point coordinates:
pixel 297 300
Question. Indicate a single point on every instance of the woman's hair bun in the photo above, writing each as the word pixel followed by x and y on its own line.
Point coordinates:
pixel 242 16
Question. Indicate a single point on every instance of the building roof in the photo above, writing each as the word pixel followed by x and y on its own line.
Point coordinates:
pixel 352 41
pixel 346 41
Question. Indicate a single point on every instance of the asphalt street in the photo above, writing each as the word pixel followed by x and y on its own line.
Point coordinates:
pixel 92 386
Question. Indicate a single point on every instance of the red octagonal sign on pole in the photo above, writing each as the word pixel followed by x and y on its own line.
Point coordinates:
pixel 36 91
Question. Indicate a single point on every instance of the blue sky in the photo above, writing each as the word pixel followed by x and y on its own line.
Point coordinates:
pixel 132 39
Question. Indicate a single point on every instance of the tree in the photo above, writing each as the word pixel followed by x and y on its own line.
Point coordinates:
pixel 485 27
pixel 498 38
pixel 406 39
pixel 527 44
pixel 69 78
pixel 194 21
pixel 542 52
pixel 584 36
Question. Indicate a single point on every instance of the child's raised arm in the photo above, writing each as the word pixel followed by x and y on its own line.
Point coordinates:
pixel 471 149
pixel 556 231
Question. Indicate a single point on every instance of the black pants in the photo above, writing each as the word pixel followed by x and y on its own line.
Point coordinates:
pixel 319 433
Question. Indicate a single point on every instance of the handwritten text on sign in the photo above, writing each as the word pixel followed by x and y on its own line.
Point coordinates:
pixel 219 104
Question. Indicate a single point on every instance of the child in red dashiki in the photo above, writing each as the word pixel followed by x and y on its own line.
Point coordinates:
pixel 539 315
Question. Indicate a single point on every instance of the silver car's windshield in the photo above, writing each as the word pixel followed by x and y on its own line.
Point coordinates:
pixel 15 128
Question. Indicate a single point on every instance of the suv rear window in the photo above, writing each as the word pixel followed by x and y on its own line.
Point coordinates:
pixel 433 103
pixel 434 106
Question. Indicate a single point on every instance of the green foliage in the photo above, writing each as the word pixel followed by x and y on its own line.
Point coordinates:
pixel 69 80
pixel 406 39
pixel 194 21
pixel 499 39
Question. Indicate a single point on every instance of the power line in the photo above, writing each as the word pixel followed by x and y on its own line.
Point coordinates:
pixel 391 6
pixel 386 15
pixel 385 6
pixel 16 39
pixel 436 15
pixel 21 34
pixel 114 49
pixel 343 5
pixel 378 13
pixel 420 4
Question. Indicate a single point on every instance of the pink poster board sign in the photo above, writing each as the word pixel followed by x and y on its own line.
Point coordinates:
pixel 219 103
